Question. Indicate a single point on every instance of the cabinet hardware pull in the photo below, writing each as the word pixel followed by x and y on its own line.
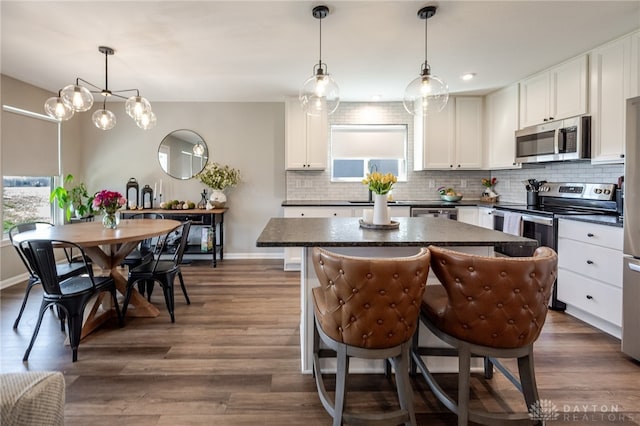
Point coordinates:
pixel 301 214
pixel 589 297
pixel 550 118
pixel 589 262
pixel 590 235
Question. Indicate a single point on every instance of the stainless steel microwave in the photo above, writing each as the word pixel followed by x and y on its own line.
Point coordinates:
pixel 561 140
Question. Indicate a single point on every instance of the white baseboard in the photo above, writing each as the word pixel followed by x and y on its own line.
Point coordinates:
pixel 13 281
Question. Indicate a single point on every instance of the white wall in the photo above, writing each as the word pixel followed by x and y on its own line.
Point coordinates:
pixel 246 136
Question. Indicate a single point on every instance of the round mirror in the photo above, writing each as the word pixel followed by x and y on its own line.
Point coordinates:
pixel 183 154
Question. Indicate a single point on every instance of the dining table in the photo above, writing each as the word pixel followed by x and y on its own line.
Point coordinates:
pixel 107 248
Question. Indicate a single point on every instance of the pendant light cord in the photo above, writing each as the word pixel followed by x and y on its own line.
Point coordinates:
pixel 320 45
pixel 106 71
pixel 425 42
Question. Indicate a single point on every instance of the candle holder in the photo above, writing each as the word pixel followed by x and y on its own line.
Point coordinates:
pixel 147 197
pixel 132 201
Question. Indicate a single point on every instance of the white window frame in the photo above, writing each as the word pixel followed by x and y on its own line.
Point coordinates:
pixel 355 134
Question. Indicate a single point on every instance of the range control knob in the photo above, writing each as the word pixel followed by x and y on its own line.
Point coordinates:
pixel 598 190
pixel 607 191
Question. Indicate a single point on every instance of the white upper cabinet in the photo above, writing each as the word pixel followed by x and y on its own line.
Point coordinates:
pixel 469 132
pixel 501 125
pixel 306 138
pixel 554 94
pixel 611 83
pixel 452 138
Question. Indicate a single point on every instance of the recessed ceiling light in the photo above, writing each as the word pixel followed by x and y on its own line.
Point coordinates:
pixel 468 76
pixel 376 98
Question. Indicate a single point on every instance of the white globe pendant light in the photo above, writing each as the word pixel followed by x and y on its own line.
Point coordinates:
pixel 320 94
pixel 427 93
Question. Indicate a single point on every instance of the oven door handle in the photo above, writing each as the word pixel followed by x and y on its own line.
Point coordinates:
pixel 537 219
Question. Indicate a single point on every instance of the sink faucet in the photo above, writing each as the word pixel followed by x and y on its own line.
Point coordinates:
pixel 373 168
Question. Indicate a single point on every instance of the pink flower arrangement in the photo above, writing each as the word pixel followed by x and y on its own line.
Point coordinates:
pixel 109 201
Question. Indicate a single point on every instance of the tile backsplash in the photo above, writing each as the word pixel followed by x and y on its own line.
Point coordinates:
pixel 422 185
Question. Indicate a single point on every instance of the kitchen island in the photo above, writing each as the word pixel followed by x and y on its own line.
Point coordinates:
pixel 344 235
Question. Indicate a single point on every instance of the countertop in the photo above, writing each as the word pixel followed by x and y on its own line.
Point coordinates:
pixel 410 203
pixel 609 220
pixel 412 232
pixel 595 218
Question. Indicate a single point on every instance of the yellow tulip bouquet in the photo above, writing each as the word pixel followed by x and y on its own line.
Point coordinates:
pixel 379 183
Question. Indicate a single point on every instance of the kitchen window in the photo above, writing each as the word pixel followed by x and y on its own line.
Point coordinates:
pixel 357 149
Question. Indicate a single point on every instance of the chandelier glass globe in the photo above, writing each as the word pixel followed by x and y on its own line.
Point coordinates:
pixel 55 107
pixel 104 119
pixel 77 97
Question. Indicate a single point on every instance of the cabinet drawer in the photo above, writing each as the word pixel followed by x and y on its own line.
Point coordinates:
pixel 594 297
pixel 597 262
pixel 318 212
pixel 602 235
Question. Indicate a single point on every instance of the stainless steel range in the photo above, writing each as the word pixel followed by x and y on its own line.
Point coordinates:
pixel 540 222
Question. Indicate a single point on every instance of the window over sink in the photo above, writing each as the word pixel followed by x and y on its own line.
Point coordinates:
pixel 357 149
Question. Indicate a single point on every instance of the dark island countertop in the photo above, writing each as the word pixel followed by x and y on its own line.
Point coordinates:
pixel 412 232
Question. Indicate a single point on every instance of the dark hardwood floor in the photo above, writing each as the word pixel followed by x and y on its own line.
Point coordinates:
pixel 232 358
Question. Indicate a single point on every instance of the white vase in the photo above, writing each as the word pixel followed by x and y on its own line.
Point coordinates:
pixel 217 198
pixel 380 210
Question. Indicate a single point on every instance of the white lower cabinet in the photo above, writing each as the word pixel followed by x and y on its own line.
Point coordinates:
pixel 590 273
pixel 293 255
pixel 468 215
pixel 485 217
pixel 479 216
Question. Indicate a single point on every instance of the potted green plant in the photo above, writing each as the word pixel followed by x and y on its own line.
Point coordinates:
pixel 75 200
pixel 218 178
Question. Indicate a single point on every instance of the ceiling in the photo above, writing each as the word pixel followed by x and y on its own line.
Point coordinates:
pixel 264 50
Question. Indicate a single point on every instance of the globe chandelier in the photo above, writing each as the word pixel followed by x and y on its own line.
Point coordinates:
pixel 427 93
pixel 78 98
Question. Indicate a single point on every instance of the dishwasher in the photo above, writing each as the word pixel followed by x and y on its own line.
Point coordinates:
pixel 446 212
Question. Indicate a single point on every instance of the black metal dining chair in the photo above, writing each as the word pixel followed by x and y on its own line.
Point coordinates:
pixel 142 254
pixel 71 295
pixel 74 265
pixel 162 271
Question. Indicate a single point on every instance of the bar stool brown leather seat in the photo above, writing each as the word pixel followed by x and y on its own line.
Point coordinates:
pixel 367 308
pixel 493 307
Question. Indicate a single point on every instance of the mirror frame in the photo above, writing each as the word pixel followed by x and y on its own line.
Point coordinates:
pixel 178 140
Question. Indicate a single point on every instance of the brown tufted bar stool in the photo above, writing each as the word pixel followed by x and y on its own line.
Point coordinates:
pixel 488 306
pixel 367 308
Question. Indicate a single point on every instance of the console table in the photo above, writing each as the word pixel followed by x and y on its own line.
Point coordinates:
pixel 213 218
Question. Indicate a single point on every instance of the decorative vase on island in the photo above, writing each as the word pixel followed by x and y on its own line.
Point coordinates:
pixel 217 198
pixel 380 210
